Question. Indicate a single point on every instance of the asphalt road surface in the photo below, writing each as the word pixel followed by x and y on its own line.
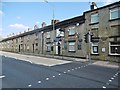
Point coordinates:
pixel 21 74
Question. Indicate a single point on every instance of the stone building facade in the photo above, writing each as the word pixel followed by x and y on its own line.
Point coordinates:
pixel 101 25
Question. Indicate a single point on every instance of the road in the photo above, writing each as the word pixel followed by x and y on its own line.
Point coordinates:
pixel 76 74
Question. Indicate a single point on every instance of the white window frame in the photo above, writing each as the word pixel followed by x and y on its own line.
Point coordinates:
pixel 95 15
pixel 48 35
pixel 94 44
pixel 72 29
pixel 110 49
pixel 48 47
pixel 114 10
pixel 72 44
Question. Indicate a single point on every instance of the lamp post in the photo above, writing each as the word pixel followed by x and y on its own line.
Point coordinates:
pixel 53 27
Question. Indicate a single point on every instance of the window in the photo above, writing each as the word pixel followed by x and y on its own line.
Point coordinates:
pixel 28 47
pixel 57 33
pixel 71 46
pixel 48 47
pixel 114 13
pixel 65 45
pixel 48 35
pixel 114 48
pixel 79 46
pixel 72 31
pixel 94 48
pixel 36 35
pixel 94 18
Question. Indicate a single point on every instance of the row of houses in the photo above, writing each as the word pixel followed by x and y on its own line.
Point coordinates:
pixel 67 37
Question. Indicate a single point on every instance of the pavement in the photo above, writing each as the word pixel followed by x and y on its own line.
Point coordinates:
pixel 56 60
pixel 20 74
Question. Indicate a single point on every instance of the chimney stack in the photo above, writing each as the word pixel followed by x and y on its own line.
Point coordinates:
pixel 93 6
pixel 43 24
pixel 55 21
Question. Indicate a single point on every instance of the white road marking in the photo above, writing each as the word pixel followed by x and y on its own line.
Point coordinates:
pixel 39 81
pixel 53 76
pixel 110 80
pixel 104 87
pixel 78 67
pixel 29 85
pixel 64 72
pixel 59 74
pixel 68 70
pixel 114 76
pixel 72 69
pixel 2 77
pixel 75 68
pixel 107 83
pixel 47 78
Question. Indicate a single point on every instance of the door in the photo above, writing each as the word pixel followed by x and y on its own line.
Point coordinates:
pixel 58 48
pixel 19 48
pixel 33 47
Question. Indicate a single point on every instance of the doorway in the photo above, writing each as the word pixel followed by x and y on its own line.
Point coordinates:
pixel 33 47
pixel 19 48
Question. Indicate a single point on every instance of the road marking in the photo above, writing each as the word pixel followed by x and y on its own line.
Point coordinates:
pixel 64 72
pixel 59 74
pixel 39 81
pixel 2 77
pixel 107 83
pixel 75 68
pixel 29 85
pixel 78 67
pixel 114 76
pixel 68 70
pixel 53 76
pixel 110 80
pixel 72 69
pixel 47 78
pixel 104 87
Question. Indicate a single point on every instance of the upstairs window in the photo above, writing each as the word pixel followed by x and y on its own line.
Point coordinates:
pixel 36 35
pixel 48 35
pixel 94 18
pixel 114 13
pixel 72 31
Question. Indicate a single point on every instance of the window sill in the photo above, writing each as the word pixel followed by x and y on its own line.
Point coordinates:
pixel 71 35
pixel 94 23
pixel 47 51
pixel 72 51
pixel 95 54
pixel 114 55
pixel 114 19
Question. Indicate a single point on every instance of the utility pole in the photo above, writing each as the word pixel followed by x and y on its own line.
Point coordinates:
pixel 53 27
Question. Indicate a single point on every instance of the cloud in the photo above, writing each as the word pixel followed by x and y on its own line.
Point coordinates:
pixel 109 1
pixel 1 12
pixel 37 22
pixel 18 17
pixel 0 31
pixel 18 26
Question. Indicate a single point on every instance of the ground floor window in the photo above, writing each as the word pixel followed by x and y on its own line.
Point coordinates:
pixel 94 48
pixel 114 48
pixel 79 46
pixel 71 46
pixel 48 47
